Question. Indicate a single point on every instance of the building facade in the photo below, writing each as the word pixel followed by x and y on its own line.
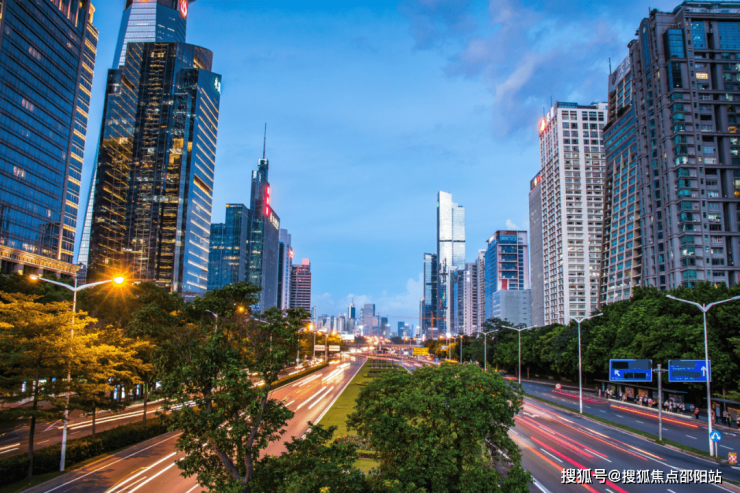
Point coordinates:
pixel 227 257
pixel 285 260
pixel 686 71
pixel 300 286
pixel 465 300
pixel 450 253
pixel 430 303
pixel 480 286
pixel 47 54
pixel 507 269
pixel 153 189
pixel 572 167
pixel 536 255
pixel 621 269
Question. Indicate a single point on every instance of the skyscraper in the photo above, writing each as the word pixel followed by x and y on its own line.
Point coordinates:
pixel 264 237
pixel 368 318
pixel 572 188
pixel 685 77
pixel 508 296
pixel 351 310
pixel 285 260
pixel 622 241
pixel 480 286
pixel 300 286
pixel 535 244
pixel 47 54
pixel 227 256
pixel 450 251
pixel 465 300
pixel 430 303
pixel 143 21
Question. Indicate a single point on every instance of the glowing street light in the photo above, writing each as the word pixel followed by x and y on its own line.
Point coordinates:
pixel 34 277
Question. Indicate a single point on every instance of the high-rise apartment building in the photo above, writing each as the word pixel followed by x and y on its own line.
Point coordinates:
pixel 465 300
pixel 300 286
pixel 369 321
pixel 450 252
pixel 430 303
pixel 622 241
pixel 535 248
pixel 285 260
pixel 507 291
pixel 686 91
pixel 143 21
pixel 47 54
pixel 227 256
pixel 264 239
pixel 480 286
pixel 573 171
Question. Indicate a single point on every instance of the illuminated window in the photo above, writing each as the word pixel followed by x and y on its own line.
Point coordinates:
pixel 702 75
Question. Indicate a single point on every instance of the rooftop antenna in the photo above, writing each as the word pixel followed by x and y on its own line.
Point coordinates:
pixel 550 101
pixel 264 143
pixel 610 65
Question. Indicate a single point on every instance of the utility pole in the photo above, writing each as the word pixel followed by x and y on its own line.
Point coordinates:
pixel 660 372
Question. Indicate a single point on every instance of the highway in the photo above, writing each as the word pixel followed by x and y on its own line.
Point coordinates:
pixel 15 441
pixel 685 430
pixel 151 467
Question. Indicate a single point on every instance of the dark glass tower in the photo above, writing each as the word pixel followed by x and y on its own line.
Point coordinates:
pixel 47 57
pixel 228 248
pixel 154 182
pixel 285 259
pixel 264 239
pixel 429 315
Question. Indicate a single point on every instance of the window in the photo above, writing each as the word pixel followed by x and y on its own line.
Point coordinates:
pixel 729 35
pixel 702 75
pixel 673 41
pixel 675 78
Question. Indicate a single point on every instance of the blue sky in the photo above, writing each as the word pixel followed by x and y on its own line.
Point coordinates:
pixel 374 106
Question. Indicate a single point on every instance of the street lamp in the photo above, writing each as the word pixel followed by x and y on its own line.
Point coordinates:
pixel 520 345
pixel 704 309
pixel 485 347
pixel 580 380
pixel 34 277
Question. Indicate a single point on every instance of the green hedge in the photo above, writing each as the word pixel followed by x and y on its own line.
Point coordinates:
pixel 301 374
pixel 78 450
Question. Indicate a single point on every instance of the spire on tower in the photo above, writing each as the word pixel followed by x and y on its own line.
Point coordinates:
pixel 264 143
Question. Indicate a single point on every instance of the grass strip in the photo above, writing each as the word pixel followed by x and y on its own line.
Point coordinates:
pixel 645 434
pixel 345 403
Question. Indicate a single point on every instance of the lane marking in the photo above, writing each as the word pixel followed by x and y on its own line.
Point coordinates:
pixel 310 398
pixel 620 416
pixel 636 421
pixel 288 404
pixel 340 393
pixel 319 399
pixel 10 446
pixel 191 489
pixel 155 476
pixel 548 453
pixel 691 437
pixel 603 411
pixel 9 450
pixel 728 448
pixel 143 470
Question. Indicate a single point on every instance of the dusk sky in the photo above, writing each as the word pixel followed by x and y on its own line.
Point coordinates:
pixel 372 107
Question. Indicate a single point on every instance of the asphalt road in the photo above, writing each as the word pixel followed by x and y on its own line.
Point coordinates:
pixel 682 429
pixel 151 466
pixel 15 441
pixel 552 440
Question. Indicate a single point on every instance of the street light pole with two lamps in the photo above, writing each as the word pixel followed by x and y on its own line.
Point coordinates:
pixel 580 372
pixel 520 345
pixel 75 289
pixel 704 309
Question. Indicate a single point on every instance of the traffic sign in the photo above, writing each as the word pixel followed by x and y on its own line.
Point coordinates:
pixel 320 347
pixel 421 351
pixel 630 370
pixel 715 436
pixel 688 370
pixel 732 458
pixel 335 349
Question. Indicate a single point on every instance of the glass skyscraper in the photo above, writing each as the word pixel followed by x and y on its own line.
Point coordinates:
pixel 429 317
pixel 450 251
pixel 227 256
pixel 507 292
pixel 143 21
pixel 285 260
pixel 47 58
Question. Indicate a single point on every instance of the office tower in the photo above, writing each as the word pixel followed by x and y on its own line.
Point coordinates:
pixel 47 53
pixel 227 255
pixel 384 326
pixel 143 21
pixel 622 241
pixel 480 287
pixel 685 63
pixel 572 188
pixel 300 286
pixel 368 314
pixel 351 310
pixel 465 300
pixel 429 304
pixel 285 260
pixel 508 296
pixel 264 237
pixel 450 251
pixel 535 243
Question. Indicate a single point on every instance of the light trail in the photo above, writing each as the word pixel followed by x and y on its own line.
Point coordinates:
pixel 655 416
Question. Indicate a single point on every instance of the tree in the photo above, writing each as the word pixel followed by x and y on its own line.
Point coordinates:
pixel 442 429
pixel 207 361
pixel 36 349
pixel 312 464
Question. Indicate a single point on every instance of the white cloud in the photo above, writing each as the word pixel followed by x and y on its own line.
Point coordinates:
pixel 510 225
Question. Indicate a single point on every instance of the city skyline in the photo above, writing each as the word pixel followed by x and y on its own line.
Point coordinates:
pixel 446 84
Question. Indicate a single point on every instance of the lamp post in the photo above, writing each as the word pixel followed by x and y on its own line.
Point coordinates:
pixel 485 347
pixel 580 379
pixel 33 277
pixel 311 328
pixel 704 309
pixel 520 345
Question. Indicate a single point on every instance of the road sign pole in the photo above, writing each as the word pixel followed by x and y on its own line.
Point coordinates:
pixel 580 380
pixel 709 393
pixel 660 403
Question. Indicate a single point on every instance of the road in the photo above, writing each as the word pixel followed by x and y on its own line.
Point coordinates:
pixel 685 430
pixel 151 467
pixel 552 440
pixel 15 441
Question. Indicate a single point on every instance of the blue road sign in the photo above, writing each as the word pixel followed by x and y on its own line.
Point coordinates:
pixel 630 370
pixel 715 436
pixel 688 370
